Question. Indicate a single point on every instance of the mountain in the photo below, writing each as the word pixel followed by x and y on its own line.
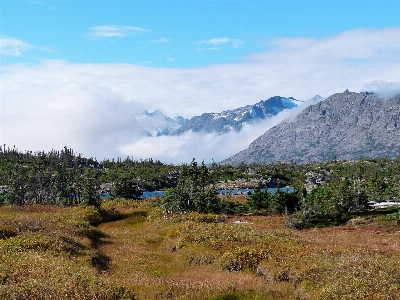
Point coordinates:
pixel 156 123
pixel 346 125
pixel 233 119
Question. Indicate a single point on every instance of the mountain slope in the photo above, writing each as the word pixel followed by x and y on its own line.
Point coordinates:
pixel 233 119
pixel 346 125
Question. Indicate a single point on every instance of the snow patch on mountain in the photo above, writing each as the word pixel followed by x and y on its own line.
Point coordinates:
pixel 226 121
pixel 153 124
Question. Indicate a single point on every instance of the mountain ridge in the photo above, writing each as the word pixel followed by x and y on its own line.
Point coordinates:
pixel 157 124
pixel 345 125
pixel 234 119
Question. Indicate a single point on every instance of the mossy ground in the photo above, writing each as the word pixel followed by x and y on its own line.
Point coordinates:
pixel 129 250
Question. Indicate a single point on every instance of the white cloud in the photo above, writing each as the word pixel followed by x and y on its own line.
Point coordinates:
pixel 384 88
pixel 36 2
pixel 371 44
pixel 162 40
pixel 181 149
pixel 109 31
pixel 220 41
pixel 12 46
pixel 89 106
pixel 216 41
pixel 208 49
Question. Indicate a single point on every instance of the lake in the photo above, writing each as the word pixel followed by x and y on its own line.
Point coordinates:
pixel 239 192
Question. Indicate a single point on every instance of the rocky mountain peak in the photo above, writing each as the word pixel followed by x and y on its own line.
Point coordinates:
pixel 346 125
pixel 226 121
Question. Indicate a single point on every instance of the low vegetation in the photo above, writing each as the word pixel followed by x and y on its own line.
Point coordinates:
pixel 48 252
pixel 59 240
pixel 129 250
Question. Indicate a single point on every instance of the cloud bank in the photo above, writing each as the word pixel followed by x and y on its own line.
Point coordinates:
pixel 221 41
pixel 90 106
pixel 207 147
pixel 109 31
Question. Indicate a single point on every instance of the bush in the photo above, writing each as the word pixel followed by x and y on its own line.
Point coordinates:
pixel 193 192
pixel 279 203
pixel 244 257
pixel 393 217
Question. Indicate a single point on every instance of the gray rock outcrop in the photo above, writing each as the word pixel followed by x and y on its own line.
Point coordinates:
pixel 345 125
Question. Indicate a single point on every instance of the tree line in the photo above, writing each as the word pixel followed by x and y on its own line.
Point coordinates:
pixel 67 178
pixel 346 190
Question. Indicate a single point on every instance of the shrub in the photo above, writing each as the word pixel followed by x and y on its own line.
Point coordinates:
pixel 193 192
pixel 394 217
pixel 244 257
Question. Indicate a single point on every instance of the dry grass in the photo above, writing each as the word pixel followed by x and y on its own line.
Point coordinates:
pixel 193 256
pixel 48 252
pixel 204 257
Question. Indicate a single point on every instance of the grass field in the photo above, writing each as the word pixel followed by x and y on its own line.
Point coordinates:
pixel 129 251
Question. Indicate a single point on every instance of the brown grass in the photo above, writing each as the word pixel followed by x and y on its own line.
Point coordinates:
pixel 46 252
pixel 193 256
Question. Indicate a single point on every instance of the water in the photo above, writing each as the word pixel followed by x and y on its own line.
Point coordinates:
pixel 251 191
pixel 244 192
pixel 152 194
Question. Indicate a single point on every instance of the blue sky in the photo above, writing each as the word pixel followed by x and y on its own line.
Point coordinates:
pixel 76 72
pixel 176 33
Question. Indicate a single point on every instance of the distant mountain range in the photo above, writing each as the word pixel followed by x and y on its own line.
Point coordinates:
pixel 157 124
pixel 234 119
pixel 345 125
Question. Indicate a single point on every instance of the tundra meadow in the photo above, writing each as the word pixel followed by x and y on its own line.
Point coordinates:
pixel 192 243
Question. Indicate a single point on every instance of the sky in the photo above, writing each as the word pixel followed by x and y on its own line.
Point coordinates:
pixel 76 72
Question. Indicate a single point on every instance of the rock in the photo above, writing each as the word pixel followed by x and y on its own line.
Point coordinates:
pixel 345 125
pixel 234 119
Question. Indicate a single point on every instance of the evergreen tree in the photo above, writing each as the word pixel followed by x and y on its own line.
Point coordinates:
pixel 193 191
pixel 260 200
pixel 90 188
pixel 125 186
pixel 284 202
pixel 17 185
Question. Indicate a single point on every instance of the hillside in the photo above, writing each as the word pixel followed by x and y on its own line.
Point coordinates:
pixel 346 126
